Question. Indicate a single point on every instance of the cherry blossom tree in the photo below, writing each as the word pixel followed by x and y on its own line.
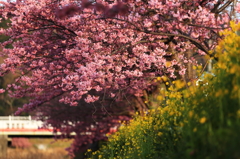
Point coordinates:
pixel 90 55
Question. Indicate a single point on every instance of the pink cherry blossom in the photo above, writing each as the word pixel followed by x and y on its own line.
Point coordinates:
pixel 2 90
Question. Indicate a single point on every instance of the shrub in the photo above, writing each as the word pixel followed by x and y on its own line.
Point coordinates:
pixel 192 121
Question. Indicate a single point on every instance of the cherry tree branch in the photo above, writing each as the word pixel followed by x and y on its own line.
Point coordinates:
pixel 223 7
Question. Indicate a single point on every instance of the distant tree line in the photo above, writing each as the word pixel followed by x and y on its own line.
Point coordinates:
pixel 8 105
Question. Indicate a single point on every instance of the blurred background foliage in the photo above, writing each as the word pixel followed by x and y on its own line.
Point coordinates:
pixel 8 105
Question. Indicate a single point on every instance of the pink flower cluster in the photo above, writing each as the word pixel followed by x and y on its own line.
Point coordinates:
pixel 109 11
pixel 2 90
pixel 94 50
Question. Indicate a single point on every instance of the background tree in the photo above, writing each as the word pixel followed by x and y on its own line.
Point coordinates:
pixel 90 54
pixel 8 105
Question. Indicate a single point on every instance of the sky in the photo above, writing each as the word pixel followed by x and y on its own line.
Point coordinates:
pixel 6 0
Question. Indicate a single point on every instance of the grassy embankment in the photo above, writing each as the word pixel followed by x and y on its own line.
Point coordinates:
pixel 41 149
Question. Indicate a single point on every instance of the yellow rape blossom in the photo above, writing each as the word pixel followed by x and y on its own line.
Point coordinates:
pixel 203 120
pixel 179 84
pixel 158 78
pixel 168 64
pixel 160 133
pixel 218 93
pixel 190 113
pixel 164 78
